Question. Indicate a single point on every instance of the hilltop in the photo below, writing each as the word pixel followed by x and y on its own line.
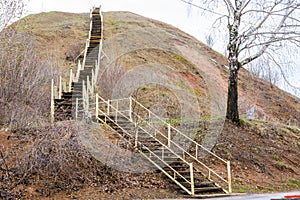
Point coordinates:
pixel 177 77
pixel 131 41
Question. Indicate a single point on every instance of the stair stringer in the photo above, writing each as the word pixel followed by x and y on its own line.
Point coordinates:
pixel 112 114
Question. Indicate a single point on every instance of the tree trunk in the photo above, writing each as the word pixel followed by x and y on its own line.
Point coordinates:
pixel 232 113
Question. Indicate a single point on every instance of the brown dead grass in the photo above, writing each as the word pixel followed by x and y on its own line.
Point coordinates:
pixel 265 155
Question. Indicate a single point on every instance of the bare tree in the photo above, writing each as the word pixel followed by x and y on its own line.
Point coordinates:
pixel 10 10
pixel 23 89
pixel 264 70
pixel 209 40
pixel 255 29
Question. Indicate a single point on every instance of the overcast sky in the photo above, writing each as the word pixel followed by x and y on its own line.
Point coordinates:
pixel 170 11
pixel 173 12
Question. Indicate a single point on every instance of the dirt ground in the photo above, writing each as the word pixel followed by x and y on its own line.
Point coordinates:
pixel 264 158
pixel 264 155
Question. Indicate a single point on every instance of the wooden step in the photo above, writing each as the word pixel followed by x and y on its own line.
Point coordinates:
pixel 207 189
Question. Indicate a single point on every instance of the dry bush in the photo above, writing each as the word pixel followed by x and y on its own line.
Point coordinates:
pixel 57 161
pixel 74 51
pixel 110 77
pixel 52 159
pixel 24 81
pixel 10 10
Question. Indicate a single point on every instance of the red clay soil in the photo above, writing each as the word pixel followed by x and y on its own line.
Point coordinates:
pixel 264 156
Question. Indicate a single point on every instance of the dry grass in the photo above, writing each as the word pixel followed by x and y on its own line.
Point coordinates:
pixel 50 161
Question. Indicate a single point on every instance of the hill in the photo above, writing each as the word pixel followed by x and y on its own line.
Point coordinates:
pixel 132 40
pixel 179 78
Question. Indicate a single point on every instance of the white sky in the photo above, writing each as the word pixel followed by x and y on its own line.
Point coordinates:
pixel 173 12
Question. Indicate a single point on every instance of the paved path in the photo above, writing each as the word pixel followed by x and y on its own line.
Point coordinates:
pixel 253 196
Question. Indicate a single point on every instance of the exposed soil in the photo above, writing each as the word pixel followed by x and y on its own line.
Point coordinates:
pixel 264 157
pixel 35 166
pixel 265 153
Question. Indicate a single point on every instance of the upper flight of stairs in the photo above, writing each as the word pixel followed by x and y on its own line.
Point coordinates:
pixel 71 104
pixel 166 148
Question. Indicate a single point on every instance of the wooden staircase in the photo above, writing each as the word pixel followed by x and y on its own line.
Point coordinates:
pixel 70 104
pixel 161 147
pixel 168 149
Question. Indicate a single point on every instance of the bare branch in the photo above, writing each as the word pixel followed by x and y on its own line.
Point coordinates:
pixel 202 8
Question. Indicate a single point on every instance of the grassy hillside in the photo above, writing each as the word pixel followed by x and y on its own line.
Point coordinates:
pixel 175 76
pixel 132 41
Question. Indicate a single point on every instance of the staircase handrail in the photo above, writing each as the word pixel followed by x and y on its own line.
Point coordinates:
pixel 190 139
pixel 85 53
pixel 210 171
pixel 116 111
pixel 228 181
pixel 180 148
pixel 100 47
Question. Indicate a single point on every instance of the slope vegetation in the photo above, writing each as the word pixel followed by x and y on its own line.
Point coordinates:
pixel 175 76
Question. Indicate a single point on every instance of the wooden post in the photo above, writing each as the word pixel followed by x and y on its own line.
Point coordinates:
pixel 76 109
pixel 136 135
pixel 87 100
pixel 108 107
pixel 169 135
pixel 60 88
pixel 83 95
pixel 93 79
pixel 229 177
pixel 52 101
pixel 71 79
pixel 78 70
pixel 96 68
pixel 86 47
pixel 192 179
pixel 130 108
pixel 117 108
pixel 97 106
pixel 88 85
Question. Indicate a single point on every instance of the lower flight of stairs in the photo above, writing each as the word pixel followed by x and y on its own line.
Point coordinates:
pixel 163 157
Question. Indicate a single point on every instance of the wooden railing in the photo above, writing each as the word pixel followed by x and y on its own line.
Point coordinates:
pixel 87 85
pixel 127 108
pixel 145 120
pixel 112 111
pixel 176 139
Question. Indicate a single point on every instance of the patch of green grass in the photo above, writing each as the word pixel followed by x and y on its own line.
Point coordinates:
pixel 276 157
pixel 179 120
pixel 210 118
pixel 180 58
pixel 181 84
pixel 246 188
pixel 281 165
pixel 254 149
pixel 270 188
pixel 294 182
pixel 252 121
pixel 292 185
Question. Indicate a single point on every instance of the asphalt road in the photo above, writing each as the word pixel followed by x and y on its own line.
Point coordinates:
pixel 253 196
pixel 259 196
